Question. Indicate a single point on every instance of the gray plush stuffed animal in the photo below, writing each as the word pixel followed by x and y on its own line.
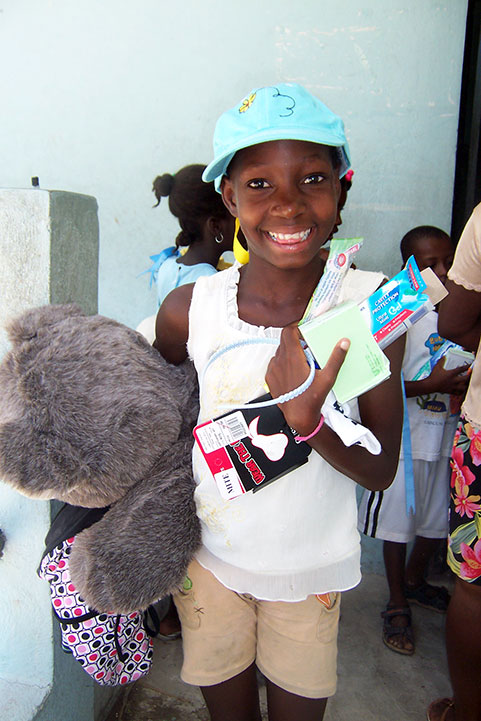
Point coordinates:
pixel 91 414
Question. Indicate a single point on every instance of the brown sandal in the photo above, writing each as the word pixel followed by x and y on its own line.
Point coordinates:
pixel 439 710
pixel 389 629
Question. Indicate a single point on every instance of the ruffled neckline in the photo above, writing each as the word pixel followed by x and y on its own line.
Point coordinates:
pixel 232 308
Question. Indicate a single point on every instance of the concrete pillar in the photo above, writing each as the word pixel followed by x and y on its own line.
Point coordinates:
pixel 48 254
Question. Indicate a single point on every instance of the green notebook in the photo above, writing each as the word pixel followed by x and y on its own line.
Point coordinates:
pixel 365 365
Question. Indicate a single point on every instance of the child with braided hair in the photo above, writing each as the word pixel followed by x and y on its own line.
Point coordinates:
pixel 206 229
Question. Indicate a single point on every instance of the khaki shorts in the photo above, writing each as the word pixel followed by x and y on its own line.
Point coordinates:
pixel 293 644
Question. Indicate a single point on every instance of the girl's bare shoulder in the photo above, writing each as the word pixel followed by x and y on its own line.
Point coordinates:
pixel 172 324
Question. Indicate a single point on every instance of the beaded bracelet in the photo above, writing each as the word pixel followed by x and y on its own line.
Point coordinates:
pixel 316 430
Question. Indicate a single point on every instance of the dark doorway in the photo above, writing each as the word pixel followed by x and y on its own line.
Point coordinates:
pixel 467 182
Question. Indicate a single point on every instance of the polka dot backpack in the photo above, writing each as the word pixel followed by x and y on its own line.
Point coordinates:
pixel 114 649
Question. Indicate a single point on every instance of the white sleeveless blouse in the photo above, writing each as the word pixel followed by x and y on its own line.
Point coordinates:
pixel 297 536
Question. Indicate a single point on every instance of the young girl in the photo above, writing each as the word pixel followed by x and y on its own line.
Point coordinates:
pixel 264 588
pixel 207 229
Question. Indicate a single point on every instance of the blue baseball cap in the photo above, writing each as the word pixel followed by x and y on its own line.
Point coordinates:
pixel 286 111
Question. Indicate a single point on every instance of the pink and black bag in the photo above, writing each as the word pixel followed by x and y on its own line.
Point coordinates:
pixel 114 649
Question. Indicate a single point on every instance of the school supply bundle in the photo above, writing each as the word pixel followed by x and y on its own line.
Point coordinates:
pixel 371 326
pixel 252 446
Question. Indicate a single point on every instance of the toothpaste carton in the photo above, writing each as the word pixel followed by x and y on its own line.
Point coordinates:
pixel 396 305
pixel 326 293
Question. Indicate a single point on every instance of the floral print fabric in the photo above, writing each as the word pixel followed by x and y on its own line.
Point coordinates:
pixel 464 541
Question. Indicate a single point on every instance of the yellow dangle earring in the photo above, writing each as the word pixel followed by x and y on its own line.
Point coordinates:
pixel 240 253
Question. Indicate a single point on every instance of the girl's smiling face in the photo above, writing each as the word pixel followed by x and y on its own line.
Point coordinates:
pixel 285 194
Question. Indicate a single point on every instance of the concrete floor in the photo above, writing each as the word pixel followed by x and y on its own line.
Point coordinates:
pixel 375 684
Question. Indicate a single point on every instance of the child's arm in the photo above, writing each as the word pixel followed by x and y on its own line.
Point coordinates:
pixel 172 325
pixel 460 316
pixel 380 410
pixel 439 381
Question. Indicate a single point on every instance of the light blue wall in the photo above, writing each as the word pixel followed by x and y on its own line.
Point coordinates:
pixel 103 96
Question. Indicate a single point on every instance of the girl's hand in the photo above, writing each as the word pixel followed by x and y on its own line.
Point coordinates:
pixel 288 369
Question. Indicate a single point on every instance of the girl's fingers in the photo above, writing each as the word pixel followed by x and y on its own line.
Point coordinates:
pixel 290 339
pixel 289 357
pixel 461 369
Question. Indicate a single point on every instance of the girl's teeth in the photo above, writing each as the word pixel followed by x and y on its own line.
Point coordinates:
pixel 290 237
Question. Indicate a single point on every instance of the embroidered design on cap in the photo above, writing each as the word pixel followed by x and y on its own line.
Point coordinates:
pixel 247 103
pixel 289 110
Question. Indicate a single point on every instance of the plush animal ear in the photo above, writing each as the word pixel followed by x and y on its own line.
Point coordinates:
pixel 26 326
pixel 140 550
